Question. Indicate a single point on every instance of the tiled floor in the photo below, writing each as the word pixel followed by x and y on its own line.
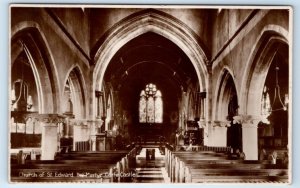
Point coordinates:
pixel 151 171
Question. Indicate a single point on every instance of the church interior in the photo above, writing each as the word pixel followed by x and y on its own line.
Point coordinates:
pixel 150 94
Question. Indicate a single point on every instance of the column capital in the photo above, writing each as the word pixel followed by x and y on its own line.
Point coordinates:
pixel 224 123
pixel 247 120
pixel 47 118
pixel 52 118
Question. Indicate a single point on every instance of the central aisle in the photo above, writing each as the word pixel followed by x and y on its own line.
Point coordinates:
pixel 151 171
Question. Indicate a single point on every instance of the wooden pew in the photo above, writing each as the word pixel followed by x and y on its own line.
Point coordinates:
pixel 232 168
pixel 77 167
pixel 176 167
pixel 169 149
pixel 202 167
pixel 178 159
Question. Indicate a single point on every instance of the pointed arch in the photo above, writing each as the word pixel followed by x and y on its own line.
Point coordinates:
pixel 78 88
pixel 28 36
pixel 258 65
pixel 226 88
pixel 159 23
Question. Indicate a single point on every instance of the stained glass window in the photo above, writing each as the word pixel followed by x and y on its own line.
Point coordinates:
pixel 150 106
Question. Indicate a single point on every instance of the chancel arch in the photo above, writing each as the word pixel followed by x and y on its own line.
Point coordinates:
pixel 151 60
pixel 159 23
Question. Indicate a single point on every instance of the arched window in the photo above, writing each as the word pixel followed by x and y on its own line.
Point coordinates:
pixel 150 105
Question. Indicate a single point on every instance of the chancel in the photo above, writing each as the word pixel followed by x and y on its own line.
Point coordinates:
pixel 147 94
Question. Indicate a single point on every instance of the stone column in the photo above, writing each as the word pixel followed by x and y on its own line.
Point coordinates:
pixel 219 133
pixel 50 137
pixel 249 135
pixel 49 141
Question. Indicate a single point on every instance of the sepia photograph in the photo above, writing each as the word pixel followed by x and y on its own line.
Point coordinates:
pixel 167 94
